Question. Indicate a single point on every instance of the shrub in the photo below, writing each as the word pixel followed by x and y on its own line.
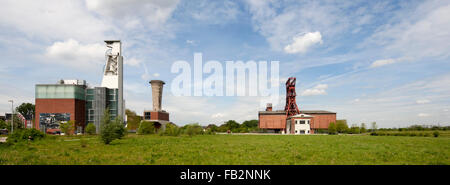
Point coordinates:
pixel 111 130
pixel 90 129
pixel 332 129
pixel 341 126
pixel 171 130
pixel 146 127
pixel 25 134
pixel 436 134
pixel 193 129
pixel 210 132
pixel 67 127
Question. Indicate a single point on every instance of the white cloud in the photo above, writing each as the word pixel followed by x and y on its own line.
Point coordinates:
pixel 132 62
pixel 423 115
pixel 301 43
pixel 134 12
pixel 379 63
pixel 419 32
pixel 73 53
pixel 218 115
pixel 279 21
pixel 156 74
pixel 317 90
pixel 191 42
pixel 52 20
pixel 422 101
pixel 214 12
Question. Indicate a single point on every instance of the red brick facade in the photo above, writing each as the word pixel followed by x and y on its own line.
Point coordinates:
pixel 277 120
pixel 272 121
pixel 321 121
pixel 156 115
pixel 75 107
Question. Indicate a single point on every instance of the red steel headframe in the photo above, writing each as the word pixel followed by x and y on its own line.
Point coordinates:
pixel 291 105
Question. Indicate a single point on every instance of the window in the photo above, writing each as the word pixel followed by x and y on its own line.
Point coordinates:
pixel 302 131
pixel 302 122
pixel 295 131
pixel 147 116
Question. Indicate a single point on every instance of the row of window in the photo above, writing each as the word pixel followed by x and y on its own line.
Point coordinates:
pixel 301 121
pixel 301 131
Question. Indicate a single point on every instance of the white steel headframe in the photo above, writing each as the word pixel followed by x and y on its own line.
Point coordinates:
pixel 113 72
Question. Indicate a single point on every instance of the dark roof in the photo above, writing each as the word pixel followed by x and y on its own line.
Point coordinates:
pixel 273 112
pixel 301 111
pixel 157 81
pixel 316 112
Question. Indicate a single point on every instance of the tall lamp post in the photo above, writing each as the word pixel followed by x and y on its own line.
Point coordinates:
pixel 12 115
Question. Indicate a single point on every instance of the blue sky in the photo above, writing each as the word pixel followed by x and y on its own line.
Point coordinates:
pixel 383 61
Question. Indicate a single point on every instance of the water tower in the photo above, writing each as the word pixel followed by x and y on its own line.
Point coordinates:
pixel 157 114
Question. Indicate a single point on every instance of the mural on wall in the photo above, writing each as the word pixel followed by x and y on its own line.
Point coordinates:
pixel 52 120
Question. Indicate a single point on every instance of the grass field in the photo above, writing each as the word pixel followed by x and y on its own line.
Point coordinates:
pixel 231 149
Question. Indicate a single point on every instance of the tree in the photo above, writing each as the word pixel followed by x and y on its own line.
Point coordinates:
pixel 363 128
pixel 90 129
pixel 212 127
pixel 133 120
pixel 374 126
pixel 111 130
pixel 332 128
pixel 354 129
pixel 250 123
pixel 3 124
pixel 26 109
pixel 67 127
pixel 193 129
pixel 146 127
pixel 171 130
pixel 341 126
pixel 231 124
pixel 18 124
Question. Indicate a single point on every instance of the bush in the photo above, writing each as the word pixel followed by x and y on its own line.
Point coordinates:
pixel 111 130
pixel 25 134
pixel 171 130
pixel 332 129
pixel 436 134
pixel 146 127
pixel 210 132
pixel 90 129
pixel 67 127
pixel 193 129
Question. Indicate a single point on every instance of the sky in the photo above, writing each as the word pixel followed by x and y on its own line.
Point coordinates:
pixel 370 61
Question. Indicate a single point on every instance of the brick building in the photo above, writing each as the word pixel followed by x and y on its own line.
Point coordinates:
pixel 277 121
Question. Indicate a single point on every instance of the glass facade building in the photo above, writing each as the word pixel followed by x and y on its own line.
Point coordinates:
pixel 98 99
pixel 55 99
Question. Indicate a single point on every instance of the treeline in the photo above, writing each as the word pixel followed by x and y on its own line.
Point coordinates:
pixel 342 127
pixel 148 127
pixel 235 127
pixel 418 128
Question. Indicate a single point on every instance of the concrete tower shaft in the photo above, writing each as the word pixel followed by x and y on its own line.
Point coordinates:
pixel 157 90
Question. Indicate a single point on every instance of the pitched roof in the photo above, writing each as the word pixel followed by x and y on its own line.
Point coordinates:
pixel 301 112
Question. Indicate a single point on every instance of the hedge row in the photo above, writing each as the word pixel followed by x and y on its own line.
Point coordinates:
pixel 412 134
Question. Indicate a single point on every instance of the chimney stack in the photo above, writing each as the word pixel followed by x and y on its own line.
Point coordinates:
pixel 269 107
pixel 157 90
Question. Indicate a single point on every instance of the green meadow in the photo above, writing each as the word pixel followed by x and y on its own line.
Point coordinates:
pixel 230 150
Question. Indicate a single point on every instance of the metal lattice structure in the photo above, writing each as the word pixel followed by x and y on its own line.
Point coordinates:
pixel 291 105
